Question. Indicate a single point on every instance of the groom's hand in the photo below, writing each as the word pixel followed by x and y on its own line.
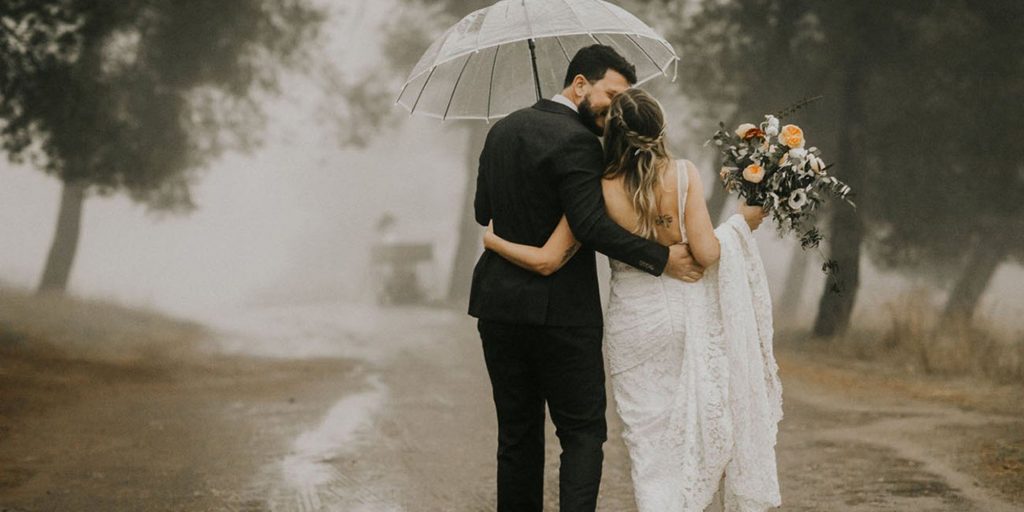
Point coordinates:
pixel 681 264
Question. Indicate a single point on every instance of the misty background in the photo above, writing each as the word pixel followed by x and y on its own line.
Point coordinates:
pixel 294 217
pixel 193 316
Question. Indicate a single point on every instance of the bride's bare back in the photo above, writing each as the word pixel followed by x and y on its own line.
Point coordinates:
pixel 620 206
pixel 696 220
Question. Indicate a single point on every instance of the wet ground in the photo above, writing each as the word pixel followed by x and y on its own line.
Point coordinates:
pixel 351 408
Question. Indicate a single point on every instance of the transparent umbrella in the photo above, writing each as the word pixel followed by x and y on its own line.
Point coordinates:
pixel 507 56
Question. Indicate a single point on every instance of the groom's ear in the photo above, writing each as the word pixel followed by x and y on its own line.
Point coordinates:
pixel 579 85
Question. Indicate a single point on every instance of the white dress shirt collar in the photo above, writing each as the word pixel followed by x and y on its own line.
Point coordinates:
pixel 559 98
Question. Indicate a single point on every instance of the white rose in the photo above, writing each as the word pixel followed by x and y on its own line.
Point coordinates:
pixel 797 199
pixel 743 129
pixel 771 126
pixel 816 164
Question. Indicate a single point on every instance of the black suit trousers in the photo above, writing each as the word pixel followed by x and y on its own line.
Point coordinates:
pixel 529 366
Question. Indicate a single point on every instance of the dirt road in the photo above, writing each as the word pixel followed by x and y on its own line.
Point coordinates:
pixel 332 407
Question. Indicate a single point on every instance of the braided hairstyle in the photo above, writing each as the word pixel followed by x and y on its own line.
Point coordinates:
pixel 634 148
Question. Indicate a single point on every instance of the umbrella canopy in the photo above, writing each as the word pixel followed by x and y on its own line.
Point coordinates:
pixel 507 56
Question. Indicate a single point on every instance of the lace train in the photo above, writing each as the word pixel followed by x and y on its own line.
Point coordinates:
pixel 696 382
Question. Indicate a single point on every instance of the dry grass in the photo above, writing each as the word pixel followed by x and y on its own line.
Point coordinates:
pixel 916 339
pixel 90 328
pixel 952 346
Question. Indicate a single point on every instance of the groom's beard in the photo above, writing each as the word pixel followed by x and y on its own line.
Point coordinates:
pixel 589 118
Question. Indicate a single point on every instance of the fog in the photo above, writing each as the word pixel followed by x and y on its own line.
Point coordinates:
pixel 275 349
pixel 295 219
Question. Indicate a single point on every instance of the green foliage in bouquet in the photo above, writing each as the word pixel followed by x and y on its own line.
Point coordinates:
pixel 768 165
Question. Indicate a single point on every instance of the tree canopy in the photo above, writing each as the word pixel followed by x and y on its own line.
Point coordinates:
pixel 136 95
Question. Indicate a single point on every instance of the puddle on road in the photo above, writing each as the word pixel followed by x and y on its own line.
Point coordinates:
pixel 309 468
pixel 311 477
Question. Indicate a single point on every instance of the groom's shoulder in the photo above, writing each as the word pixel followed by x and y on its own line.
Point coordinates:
pixel 550 124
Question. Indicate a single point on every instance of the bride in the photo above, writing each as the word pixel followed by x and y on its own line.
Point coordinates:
pixel 692 368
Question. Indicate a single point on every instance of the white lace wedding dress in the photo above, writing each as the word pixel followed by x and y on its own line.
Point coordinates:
pixel 695 379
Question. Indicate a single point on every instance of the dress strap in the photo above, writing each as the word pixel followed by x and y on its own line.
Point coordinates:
pixel 682 183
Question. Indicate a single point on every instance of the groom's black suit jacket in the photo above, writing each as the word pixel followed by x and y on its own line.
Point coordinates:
pixel 538 163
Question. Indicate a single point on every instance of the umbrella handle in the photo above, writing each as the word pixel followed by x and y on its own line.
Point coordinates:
pixel 533 58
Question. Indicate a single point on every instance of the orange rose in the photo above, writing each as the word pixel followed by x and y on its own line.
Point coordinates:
pixel 749 131
pixel 792 136
pixel 753 173
pixel 741 130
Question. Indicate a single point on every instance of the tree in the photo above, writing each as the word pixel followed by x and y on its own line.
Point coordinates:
pixel 758 55
pixel 951 210
pixel 136 96
pixel 732 57
pixel 727 50
pixel 406 38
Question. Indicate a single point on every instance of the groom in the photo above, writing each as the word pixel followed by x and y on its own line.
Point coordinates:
pixel 542 335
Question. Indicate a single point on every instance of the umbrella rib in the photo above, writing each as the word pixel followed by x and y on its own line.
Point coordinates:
pixel 668 47
pixel 404 87
pixel 576 15
pixel 420 95
pixel 490 83
pixel 456 87
pixel 592 36
pixel 647 54
pixel 610 11
pixel 596 40
pixel 560 45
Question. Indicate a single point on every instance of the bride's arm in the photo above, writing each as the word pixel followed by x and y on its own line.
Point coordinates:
pixel 700 233
pixel 699 230
pixel 559 248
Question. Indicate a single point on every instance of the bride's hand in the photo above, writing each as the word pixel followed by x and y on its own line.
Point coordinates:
pixel 754 215
pixel 489 236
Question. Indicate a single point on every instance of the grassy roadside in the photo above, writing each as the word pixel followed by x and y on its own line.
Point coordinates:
pixel 105 407
pixel 994 453
pixel 51 346
pixel 861 373
pixel 91 329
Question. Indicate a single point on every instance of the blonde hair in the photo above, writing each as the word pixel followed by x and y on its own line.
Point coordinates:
pixel 634 142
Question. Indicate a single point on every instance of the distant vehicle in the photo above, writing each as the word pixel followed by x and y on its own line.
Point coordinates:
pixel 396 265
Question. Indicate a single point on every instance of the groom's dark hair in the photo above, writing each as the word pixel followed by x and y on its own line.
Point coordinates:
pixel 595 60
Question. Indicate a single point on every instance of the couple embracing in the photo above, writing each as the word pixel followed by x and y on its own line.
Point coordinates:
pixel 687 330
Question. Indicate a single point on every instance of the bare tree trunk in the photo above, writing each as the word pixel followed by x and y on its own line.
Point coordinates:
pixel 847 228
pixel 789 302
pixel 966 293
pixel 469 242
pixel 718 202
pixel 65 240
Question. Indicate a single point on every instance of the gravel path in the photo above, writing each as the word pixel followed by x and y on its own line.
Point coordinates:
pixel 360 410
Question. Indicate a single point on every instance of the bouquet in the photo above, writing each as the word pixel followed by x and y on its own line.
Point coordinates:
pixel 770 166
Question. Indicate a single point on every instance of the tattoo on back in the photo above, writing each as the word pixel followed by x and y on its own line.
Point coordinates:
pixel 663 221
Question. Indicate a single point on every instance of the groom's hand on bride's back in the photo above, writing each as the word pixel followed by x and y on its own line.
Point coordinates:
pixel 681 264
